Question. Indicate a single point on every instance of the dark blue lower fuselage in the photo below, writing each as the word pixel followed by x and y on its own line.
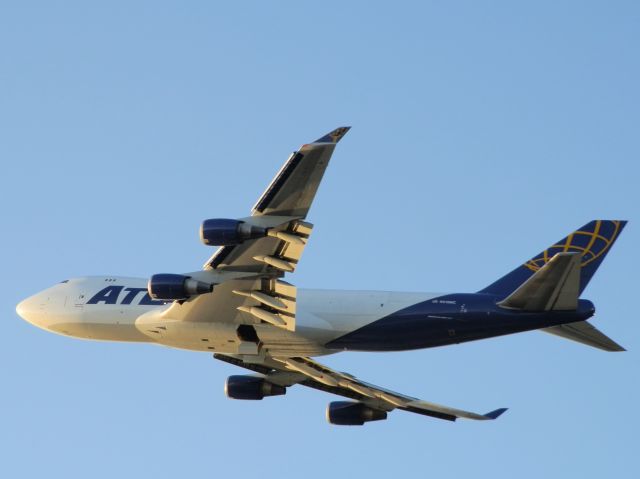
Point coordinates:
pixel 452 319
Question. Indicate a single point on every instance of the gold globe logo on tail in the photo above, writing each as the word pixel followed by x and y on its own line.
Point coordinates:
pixel 591 243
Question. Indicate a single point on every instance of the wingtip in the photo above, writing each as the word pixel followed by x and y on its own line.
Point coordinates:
pixel 335 136
pixel 496 414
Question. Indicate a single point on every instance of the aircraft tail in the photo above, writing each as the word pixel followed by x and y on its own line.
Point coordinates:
pixel 587 247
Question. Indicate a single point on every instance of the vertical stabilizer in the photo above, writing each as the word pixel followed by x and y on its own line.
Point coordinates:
pixel 592 242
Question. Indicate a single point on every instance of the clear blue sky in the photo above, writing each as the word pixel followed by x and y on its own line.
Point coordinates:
pixel 482 132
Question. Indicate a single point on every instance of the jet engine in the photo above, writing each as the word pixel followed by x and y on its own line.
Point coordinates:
pixel 349 413
pixel 224 232
pixel 176 287
pixel 251 387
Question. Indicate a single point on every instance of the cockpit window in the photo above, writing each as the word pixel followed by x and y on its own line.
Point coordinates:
pixel 65 281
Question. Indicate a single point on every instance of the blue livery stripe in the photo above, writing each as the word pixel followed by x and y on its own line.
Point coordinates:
pixel 451 319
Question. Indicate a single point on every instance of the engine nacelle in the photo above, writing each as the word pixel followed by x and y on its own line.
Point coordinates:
pixel 251 387
pixel 349 413
pixel 176 287
pixel 224 232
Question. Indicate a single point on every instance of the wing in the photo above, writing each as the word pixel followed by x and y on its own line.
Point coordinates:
pixel 284 203
pixel 305 371
pixel 252 291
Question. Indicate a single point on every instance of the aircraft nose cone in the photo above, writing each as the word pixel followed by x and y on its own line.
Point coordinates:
pixel 30 310
pixel 24 308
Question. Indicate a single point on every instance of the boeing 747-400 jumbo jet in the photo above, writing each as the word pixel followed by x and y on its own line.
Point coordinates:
pixel 239 308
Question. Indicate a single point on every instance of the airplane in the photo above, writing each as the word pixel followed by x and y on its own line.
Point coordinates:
pixel 239 308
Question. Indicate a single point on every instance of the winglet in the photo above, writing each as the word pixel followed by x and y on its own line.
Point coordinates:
pixel 335 136
pixel 495 414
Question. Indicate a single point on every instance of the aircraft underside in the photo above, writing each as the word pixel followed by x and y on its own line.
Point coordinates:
pixel 239 308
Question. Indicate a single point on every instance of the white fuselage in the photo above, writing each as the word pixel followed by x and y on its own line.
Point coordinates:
pixel 322 316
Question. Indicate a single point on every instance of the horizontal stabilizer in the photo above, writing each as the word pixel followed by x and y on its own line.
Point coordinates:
pixel 555 286
pixel 585 333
